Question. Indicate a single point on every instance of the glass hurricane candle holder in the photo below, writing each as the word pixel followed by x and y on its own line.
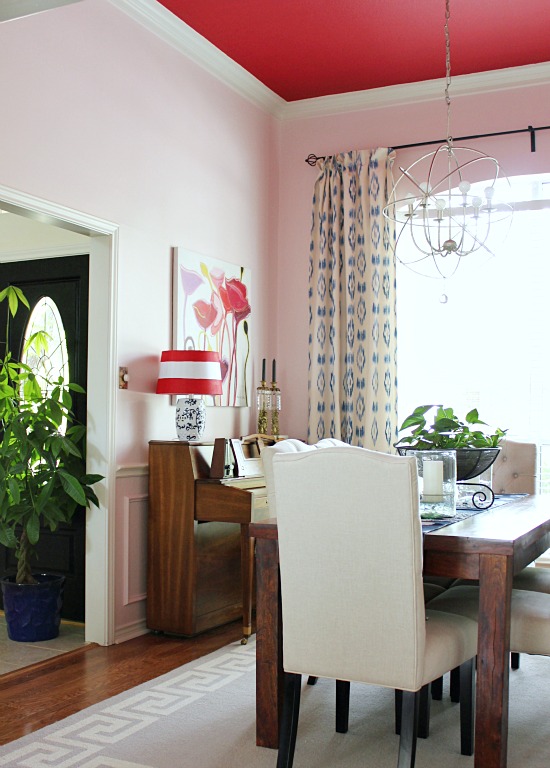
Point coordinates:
pixel 263 401
pixel 437 482
pixel 275 408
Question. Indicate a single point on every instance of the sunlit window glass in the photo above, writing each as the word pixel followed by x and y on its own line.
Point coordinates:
pixel 485 346
pixel 50 361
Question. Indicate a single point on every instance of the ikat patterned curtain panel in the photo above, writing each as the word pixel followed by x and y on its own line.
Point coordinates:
pixel 352 320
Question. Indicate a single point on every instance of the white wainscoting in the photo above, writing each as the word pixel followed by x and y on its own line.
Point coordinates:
pixel 132 488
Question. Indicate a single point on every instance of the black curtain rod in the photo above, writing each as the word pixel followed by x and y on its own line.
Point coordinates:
pixel 312 159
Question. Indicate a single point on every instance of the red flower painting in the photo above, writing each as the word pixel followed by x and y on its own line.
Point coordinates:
pixel 213 314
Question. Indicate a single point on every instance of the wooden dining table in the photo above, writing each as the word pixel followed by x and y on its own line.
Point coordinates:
pixel 490 546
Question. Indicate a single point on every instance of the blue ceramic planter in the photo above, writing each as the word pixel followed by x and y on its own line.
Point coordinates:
pixel 33 611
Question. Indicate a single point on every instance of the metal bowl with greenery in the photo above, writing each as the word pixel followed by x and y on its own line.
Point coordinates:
pixel 476 445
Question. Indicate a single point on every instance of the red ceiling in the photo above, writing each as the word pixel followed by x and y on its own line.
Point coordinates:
pixel 308 48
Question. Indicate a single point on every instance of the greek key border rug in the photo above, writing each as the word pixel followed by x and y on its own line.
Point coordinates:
pixel 202 715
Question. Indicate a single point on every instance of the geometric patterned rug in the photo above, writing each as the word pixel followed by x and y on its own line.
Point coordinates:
pixel 88 738
pixel 202 715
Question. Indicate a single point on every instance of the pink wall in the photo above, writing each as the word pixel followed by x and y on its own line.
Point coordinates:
pixel 117 124
pixel 102 116
pixel 389 126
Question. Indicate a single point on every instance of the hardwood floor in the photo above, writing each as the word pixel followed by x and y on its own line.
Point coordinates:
pixel 36 696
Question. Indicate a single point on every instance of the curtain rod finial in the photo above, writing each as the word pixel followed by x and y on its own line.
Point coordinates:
pixel 311 159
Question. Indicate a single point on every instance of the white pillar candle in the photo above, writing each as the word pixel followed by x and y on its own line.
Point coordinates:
pixel 433 480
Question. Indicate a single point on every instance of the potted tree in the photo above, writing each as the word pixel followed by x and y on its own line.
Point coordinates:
pixel 476 447
pixel 43 481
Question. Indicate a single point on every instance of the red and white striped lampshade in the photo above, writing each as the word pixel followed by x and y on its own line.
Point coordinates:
pixel 189 372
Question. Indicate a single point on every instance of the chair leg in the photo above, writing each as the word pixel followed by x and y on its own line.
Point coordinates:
pixel 455 684
pixel 342 706
pixel 398 703
pixel 289 720
pixel 423 729
pixel 409 727
pixel 437 689
pixel 467 693
pixel 424 712
pixel 514 660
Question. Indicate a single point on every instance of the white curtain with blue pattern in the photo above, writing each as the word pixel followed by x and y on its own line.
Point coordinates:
pixel 352 322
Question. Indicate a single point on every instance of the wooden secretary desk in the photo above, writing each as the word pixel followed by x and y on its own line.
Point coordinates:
pixel 199 552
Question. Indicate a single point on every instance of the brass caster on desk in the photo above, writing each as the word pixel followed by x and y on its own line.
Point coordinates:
pixel 244 640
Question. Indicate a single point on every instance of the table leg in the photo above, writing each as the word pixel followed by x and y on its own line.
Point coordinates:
pixel 269 656
pixel 247 577
pixel 491 735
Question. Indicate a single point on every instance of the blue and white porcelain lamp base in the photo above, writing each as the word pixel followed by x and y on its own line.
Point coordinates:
pixel 190 418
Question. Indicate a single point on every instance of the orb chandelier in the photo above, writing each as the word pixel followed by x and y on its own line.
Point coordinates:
pixel 437 209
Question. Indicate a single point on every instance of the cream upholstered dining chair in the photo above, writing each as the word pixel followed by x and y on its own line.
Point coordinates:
pixel 516 471
pixel 432 586
pixel 290 445
pixel 530 615
pixel 350 550
pixel 515 468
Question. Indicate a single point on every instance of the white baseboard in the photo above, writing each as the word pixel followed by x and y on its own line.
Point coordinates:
pixel 130 631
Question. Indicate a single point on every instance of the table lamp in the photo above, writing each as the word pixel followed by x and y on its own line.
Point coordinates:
pixel 190 373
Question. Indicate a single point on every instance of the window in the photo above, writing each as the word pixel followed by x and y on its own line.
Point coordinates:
pixel 50 361
pixel 488 346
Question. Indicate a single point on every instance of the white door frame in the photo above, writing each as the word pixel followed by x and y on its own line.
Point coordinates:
pixel 101 399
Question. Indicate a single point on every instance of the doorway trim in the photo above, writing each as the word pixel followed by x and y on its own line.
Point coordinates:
pixel 101 398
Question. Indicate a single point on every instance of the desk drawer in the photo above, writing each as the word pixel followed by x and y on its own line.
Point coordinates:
pixel 225 504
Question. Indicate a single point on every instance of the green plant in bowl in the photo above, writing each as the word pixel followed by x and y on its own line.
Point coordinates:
pixel 447 431
pixel 476 447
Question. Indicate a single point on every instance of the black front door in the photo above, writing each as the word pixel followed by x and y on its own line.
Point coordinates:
pixel 65 281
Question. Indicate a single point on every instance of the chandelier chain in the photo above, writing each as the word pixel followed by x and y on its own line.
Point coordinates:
pixel 448 70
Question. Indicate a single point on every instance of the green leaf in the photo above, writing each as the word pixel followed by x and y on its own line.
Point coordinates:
pixel 20 295
pixel 8 537
pixel 33 529
pixel 38 341
pixel 92 479
pixel 72 487
pixel 12 294
pixel 45 495
pixel 14 490
pixel 91 496
pixel 445 425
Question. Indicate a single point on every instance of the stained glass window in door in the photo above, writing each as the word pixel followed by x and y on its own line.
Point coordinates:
pixel 51 359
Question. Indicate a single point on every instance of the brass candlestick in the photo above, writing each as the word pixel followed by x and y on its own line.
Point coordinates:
pixel 275 408
pixel 263 401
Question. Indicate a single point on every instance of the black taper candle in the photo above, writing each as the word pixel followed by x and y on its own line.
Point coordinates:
pixel 263 369
pixel 274 375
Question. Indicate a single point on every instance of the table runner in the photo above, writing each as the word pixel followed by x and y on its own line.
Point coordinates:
pixel 464 512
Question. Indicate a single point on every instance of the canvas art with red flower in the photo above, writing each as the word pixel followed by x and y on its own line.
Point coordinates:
pixel 212 312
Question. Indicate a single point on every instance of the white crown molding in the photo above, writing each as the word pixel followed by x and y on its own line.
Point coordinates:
pixel 156 18
pixel 416 93
pixel 180 36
